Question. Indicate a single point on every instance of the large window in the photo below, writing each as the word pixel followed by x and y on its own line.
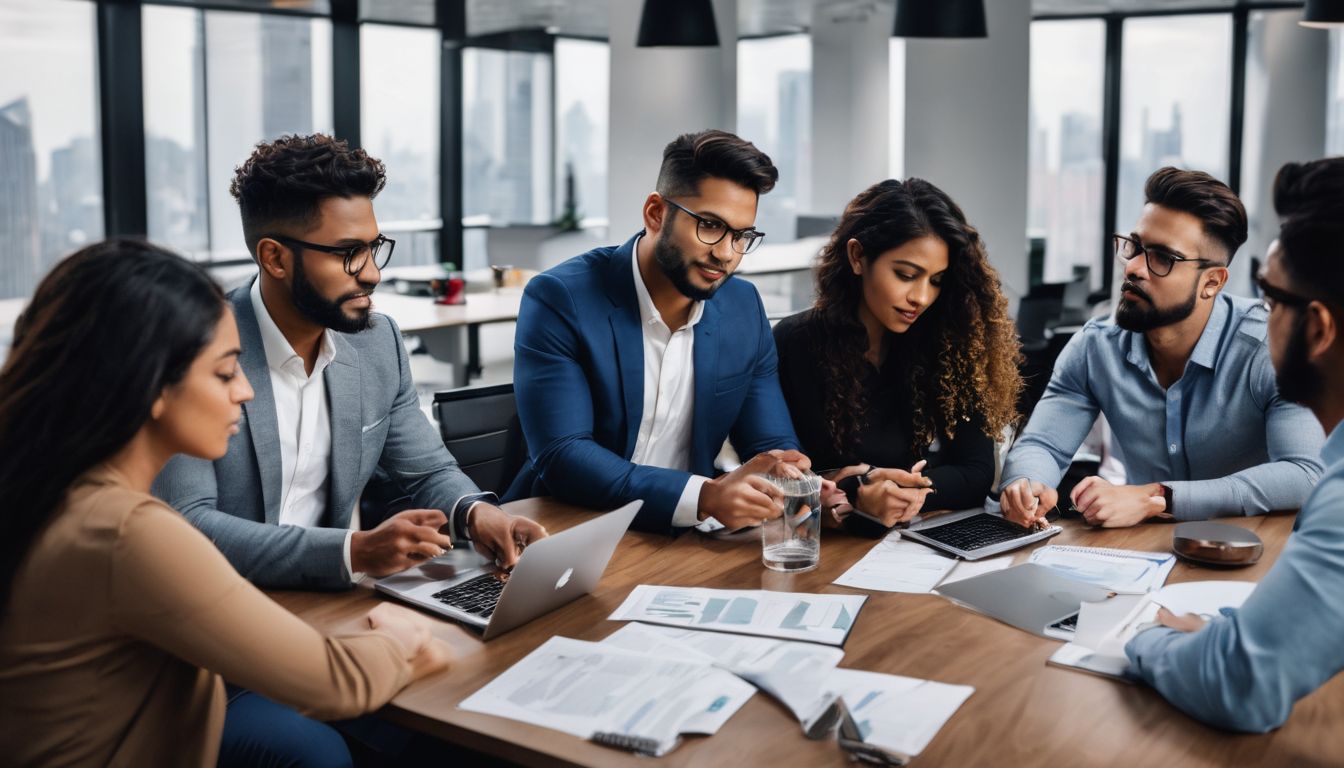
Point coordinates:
pixel 774 111
pixel 399 102
pixel 1334 136
pixel 51 189
pixel 896 107
pixel 506 154
pixel 1067 173
pixel 581 94
pixel 1176 86
pixel 216 84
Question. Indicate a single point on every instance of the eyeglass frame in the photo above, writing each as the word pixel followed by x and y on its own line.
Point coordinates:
pixel 1271 294
pixel 1140 248
pixel 347 252
pixel 737 233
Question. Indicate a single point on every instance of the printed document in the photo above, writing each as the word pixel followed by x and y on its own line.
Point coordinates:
pixel 894 565
pixel 1126 571
pixel 787 615
pixel 606 693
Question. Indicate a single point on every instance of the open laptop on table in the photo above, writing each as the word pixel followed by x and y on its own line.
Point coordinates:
pixel 550 573
pixel 974 534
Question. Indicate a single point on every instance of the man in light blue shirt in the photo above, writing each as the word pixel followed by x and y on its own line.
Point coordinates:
pixel 1183 377
pixel 1246 668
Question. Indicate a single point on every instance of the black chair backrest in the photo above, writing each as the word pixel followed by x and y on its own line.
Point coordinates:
pixel 480 427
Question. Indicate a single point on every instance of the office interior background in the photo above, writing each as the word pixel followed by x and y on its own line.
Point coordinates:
pixel 523 132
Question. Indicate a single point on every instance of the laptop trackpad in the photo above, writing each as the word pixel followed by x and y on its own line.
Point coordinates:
pixel 454 566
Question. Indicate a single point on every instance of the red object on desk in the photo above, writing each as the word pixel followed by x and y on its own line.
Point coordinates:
pixel 451 290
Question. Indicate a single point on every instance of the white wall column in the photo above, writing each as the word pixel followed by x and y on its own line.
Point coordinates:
pixel 966 114
pixel 656 95
pixel 1286 82
pixel 850 105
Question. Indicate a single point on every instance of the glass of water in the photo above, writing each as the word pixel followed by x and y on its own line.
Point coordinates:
pixel 792 542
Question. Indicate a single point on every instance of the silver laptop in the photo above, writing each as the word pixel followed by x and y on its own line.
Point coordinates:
pixel 1028 596
pixel 550 573
pixel 973 534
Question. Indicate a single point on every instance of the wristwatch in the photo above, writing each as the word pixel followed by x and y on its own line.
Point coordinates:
pixel 1166 496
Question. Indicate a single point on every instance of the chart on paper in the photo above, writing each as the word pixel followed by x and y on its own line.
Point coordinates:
pixel 787 615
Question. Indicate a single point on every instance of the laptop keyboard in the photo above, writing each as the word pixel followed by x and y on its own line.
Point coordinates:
pixel 477 596
pixel 976 532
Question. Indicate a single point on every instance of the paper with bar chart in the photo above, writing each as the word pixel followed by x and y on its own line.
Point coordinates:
pixel 786 615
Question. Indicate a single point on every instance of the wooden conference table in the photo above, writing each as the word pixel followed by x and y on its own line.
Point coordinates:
pixel 1022 712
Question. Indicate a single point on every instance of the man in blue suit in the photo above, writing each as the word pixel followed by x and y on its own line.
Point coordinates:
pixel 634 363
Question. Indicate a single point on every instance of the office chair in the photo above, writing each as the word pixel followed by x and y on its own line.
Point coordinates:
pixel 480 427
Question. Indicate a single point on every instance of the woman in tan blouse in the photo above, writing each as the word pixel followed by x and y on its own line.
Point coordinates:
pixel 117 617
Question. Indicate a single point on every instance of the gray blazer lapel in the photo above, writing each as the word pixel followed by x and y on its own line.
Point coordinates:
pixel 345 401
pixel 260 411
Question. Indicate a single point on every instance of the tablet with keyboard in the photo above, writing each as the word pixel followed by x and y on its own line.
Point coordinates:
pixel 974 534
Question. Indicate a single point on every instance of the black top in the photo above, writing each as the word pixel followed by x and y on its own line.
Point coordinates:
pixel 962 469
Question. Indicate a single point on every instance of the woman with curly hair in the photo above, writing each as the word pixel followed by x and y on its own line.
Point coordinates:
pixel 905 370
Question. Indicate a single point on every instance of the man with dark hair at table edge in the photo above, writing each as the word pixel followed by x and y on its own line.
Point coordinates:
pixel 633 363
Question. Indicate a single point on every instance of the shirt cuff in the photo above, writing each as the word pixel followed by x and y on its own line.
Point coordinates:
pixel 687 513
pixel 461 510
pixel 345 556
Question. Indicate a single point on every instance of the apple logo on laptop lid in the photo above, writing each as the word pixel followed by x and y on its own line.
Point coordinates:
pixel 564 578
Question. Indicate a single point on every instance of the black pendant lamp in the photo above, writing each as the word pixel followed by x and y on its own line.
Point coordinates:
pixel 1323 14
pixel 940 18
pixel 683 23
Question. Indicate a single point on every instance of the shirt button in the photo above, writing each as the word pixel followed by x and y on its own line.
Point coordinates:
pixel 1172 447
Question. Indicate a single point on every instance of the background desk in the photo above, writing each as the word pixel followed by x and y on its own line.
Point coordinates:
pixel 1022 712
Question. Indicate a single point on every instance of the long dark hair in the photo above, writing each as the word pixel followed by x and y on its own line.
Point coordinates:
pixel 106 331
pixel 962 354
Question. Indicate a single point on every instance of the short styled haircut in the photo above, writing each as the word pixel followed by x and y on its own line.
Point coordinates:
pixel 691 157
pixel 284 181
pixel 1309 198
pixel 1211 201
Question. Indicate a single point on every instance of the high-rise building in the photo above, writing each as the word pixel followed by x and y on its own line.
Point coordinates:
pixel 287 85
pixel 18 201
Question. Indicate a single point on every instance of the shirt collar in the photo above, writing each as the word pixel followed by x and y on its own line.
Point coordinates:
pixel 1333 450
pixel 279 352
pixel 1206 349
pixel 648 312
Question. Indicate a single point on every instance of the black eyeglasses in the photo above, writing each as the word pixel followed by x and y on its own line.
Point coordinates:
pixel 1160 260
pixel 355 256
pixel 1270 295
pixel 711 231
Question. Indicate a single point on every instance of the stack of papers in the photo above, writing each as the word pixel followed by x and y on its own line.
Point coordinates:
pixel 899 714
pixel 1104 628
pixel 1125 571
pixel 613 695
pixel 786 615
pixel 894 565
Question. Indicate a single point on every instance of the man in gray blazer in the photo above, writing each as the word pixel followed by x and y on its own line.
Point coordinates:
pixel 334 400
pixel 334 396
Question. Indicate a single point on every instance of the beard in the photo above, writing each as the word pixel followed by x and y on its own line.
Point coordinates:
pixel 677 269
pixel 1298 381
pixel 326 312
pixel 1140 318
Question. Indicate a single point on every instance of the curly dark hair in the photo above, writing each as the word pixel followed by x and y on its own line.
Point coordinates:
pixel 963 352
pixel 285 181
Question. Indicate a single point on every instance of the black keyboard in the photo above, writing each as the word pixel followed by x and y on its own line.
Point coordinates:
pixel 976 531
pixel 478 595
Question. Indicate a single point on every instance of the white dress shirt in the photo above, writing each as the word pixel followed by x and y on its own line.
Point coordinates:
pixel 669 396
pixel 304 419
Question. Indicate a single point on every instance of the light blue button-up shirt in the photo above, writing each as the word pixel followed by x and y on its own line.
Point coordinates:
pixel 1246 668
pixel 1220 437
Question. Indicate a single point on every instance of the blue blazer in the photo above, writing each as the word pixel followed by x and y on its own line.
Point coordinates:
pixel 579 378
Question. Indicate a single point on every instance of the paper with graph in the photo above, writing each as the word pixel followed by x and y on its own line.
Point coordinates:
pixel 786 615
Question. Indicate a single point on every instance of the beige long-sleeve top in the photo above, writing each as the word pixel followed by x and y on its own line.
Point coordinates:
pixel 123 619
